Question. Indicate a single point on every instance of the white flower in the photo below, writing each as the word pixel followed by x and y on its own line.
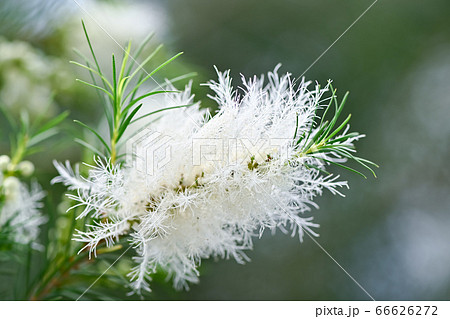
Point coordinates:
pixel 26 168
pixel 20 215
pixel 183 120
pixel 4 161
pixel 25 69
pixel 11 187
pixel 229 178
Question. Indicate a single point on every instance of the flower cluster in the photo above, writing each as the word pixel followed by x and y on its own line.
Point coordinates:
pixel 20 215
pixel 26 69
pixel 257 164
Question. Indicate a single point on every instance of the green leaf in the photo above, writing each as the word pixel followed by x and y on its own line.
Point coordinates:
pixel 96 87
pixel 341 151
pixel 103 98
pixel 133 94
pixel 341 165
pixel 126 122
pixel 296 125
pixel 114 78
pixel 149 75
pixel 126 55
pixel 141 65
pixel 42 136
pixel 95 133
pixel 332 97
pixel 81 55
pixel 315 137
pixel 339 128
pixel 359 160
pixel 53 122
pixel 183 77
pixel 133 102
pixel 89 147
pixel 93 55
pixel 104 80
pixel 336 115
pixel 344 137
pixel 139 50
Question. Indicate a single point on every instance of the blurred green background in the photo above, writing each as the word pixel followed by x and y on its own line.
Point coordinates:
pixel 392 234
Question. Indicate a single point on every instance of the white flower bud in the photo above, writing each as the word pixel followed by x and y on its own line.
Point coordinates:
pixel 11 186
pixel 4 161
pixel 10 167
pixel 26 168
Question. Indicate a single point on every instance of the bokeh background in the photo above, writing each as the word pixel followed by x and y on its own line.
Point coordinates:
pixel 392 234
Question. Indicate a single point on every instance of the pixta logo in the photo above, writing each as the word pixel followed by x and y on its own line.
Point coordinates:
pixel 148 151
pixel 235 151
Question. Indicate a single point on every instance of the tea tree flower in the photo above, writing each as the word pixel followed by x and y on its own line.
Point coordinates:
pixel 4 161
pixel 26 168
pixel 20 215
pixel 21 203
pixel 26 69
pixel 10 186
pixel 257 164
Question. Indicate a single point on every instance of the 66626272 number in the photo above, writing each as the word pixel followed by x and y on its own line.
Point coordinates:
pixel 404 311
